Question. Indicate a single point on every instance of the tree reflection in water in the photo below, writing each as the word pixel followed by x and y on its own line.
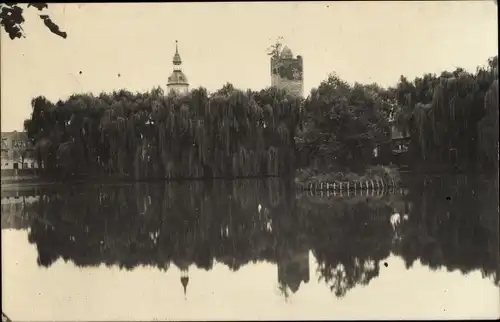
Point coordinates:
pixel 452 222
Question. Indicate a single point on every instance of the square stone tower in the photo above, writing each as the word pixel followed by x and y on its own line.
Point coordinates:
pixel 287 72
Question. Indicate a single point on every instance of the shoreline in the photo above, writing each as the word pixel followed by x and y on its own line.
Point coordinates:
pixel 24 181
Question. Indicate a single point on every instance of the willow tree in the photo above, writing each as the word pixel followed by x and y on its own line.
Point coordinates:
pixel 488 128
pixel 452 118
pixel 229 133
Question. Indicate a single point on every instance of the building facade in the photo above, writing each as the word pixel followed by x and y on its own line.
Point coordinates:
pixel 287 72
pixel 177 81
pixel 17 151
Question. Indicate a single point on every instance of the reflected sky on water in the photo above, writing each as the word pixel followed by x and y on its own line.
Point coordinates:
pixel 122 252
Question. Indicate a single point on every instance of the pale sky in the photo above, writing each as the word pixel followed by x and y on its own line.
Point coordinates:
pixel 226 42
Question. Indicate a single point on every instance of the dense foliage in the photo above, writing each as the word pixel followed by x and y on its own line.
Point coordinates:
pixel 452 118
pixel 227 134
pixel 343 124
pixel 289 69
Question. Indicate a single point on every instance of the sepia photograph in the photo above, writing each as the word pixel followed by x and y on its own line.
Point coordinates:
pixel 195 161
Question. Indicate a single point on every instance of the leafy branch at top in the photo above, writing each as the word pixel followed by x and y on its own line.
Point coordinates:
pixel 12 19
pixel 275 49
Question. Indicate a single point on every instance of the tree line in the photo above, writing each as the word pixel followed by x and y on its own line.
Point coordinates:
pixel 229 133
pixel 451 120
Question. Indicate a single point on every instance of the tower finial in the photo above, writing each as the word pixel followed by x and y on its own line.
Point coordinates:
pixel 177 58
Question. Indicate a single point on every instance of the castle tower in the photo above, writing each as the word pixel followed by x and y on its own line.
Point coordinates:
pixel 293 270
pixel 287 72
pixel 177 81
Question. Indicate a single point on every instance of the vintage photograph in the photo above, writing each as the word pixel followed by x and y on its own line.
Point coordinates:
pixel 249 161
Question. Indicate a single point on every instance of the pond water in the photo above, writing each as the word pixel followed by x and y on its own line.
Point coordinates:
pixel 250 249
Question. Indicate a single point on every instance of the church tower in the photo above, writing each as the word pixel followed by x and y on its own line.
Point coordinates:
pixel 177 81
pixel 184 280
pixel 287 72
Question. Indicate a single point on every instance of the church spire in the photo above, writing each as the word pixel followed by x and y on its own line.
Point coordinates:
pixel 177 81
pixel 177 58
pixel 184 280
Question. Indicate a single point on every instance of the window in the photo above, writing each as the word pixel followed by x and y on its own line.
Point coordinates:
pixel 32 166
pixel 16 166
pixel 25 166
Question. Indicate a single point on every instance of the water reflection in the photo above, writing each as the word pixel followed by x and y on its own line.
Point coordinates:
pixel 239 222
pixel 444 222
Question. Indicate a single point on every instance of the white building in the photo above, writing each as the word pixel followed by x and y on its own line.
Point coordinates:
pixel 17 152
